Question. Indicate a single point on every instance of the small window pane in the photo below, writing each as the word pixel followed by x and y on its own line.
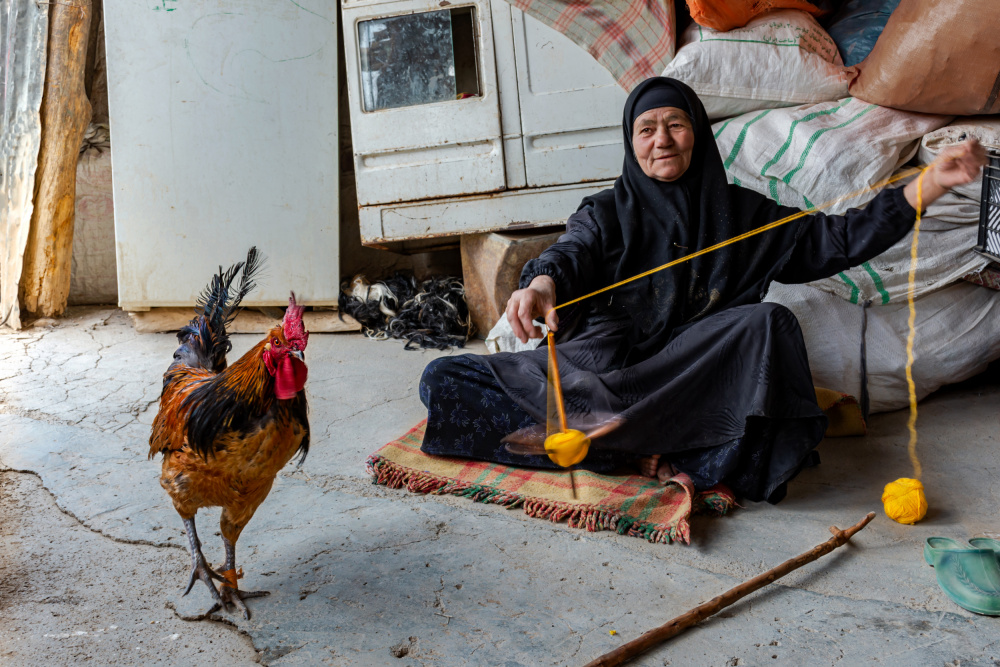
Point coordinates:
pixel 418 59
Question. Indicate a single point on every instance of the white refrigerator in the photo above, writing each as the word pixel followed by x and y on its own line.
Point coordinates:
pixel 224 135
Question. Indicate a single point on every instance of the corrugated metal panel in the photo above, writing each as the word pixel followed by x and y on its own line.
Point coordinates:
pixel 23 39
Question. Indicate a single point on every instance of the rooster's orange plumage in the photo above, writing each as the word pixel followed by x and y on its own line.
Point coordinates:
pixel 225 431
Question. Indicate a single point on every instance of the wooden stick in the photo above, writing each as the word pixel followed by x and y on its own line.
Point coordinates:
pixel 713 606
pixel 65 113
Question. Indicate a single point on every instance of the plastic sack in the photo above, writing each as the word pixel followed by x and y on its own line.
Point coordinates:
pixel 935 56
pixel 948 232
pixel 729 14
pixel 944 255
pixel 501 338
pixel 958 334
pixel 856 27
pixel 779 59
pixel 811 155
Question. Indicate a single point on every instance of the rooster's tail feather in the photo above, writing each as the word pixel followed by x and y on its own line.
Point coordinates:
pixel 205 341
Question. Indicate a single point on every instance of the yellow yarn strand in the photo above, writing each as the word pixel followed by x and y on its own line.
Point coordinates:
pixel 760 230
pixel 904 500
pixel 912 334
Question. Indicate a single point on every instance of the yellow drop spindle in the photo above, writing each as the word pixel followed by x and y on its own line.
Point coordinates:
pixel 569 446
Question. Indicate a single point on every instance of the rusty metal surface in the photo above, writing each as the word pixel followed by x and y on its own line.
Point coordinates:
pixel 23 40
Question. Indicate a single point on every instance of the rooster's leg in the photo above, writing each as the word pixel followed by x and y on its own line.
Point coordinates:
pixel 231 594
pixel 199 567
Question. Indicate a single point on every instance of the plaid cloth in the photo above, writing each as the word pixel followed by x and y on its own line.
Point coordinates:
pixel 629 505
pixel 988 277
pixel 632 39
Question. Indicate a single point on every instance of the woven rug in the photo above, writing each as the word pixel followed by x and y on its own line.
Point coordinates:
pixel 629 505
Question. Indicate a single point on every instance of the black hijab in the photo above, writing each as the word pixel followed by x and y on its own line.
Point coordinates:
pixel 646 223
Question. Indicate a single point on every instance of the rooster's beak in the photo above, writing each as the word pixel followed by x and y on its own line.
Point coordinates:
pixel 298 355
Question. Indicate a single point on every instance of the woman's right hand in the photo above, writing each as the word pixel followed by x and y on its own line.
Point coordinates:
pixel 538 298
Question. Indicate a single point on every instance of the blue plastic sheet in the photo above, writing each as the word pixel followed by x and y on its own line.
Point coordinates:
pixel 856 27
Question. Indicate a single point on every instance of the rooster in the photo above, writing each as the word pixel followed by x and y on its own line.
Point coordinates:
pixel 225 431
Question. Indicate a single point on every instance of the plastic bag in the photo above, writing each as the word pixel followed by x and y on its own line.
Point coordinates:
pixel 810 155
pixel 958 334
pixel 857 26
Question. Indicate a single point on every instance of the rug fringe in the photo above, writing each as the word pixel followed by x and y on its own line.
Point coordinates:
pixel 591 517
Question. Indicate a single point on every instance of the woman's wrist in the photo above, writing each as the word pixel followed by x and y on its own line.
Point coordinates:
pixel 929 191
pixel 543 283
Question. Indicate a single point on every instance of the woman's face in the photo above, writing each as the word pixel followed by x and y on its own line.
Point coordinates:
pixel 663 140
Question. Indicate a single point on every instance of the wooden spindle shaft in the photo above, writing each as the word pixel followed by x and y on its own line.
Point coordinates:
pixel 556 382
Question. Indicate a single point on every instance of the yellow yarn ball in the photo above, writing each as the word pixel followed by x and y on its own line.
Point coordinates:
pixel 904 500
pixel 567 449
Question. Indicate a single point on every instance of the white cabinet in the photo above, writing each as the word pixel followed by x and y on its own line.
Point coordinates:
pixel 471 117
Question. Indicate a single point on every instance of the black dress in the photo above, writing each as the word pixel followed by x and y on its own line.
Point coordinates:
pixel 703 373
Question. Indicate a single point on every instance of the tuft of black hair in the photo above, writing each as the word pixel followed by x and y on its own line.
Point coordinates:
pixel 429 314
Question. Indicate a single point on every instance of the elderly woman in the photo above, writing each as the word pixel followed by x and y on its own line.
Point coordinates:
pixel 710 381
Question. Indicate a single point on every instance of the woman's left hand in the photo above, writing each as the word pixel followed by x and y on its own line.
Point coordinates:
pixel 955 166
pixel 959 165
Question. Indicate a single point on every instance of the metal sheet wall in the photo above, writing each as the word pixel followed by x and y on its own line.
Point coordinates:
pixel 23 40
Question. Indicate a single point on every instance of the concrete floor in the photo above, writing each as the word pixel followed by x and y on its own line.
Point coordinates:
pixel 362 575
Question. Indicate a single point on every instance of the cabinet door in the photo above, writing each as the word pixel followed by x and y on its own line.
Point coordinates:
pixel 571 108
pixel 425 113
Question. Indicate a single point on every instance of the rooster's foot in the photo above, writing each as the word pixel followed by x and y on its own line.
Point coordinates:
pixel 235 597
pixel 201 570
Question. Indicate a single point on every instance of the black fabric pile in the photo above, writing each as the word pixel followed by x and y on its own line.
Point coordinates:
pixel 427 314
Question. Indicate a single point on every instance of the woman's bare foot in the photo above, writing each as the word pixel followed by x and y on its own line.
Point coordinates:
pixel 665 472
pixel 649 466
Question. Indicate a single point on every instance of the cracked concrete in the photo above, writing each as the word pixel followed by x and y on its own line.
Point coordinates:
pixel 68 594
pixel 363 575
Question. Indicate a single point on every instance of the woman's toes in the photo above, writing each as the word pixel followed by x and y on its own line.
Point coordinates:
pixel 665 472
pixel 649 465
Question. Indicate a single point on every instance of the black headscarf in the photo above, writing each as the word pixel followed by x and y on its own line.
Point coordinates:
pixel 646 223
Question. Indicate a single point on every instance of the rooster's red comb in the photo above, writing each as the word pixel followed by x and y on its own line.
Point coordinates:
pixel 292 326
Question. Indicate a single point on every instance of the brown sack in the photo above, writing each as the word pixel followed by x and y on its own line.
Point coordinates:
pixel 726 15
pixel 935 56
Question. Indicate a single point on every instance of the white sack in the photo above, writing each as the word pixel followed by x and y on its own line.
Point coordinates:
pixel 944 255
pixel 501 338
pixel 781 58
pixel 811 155
pixel 958 334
